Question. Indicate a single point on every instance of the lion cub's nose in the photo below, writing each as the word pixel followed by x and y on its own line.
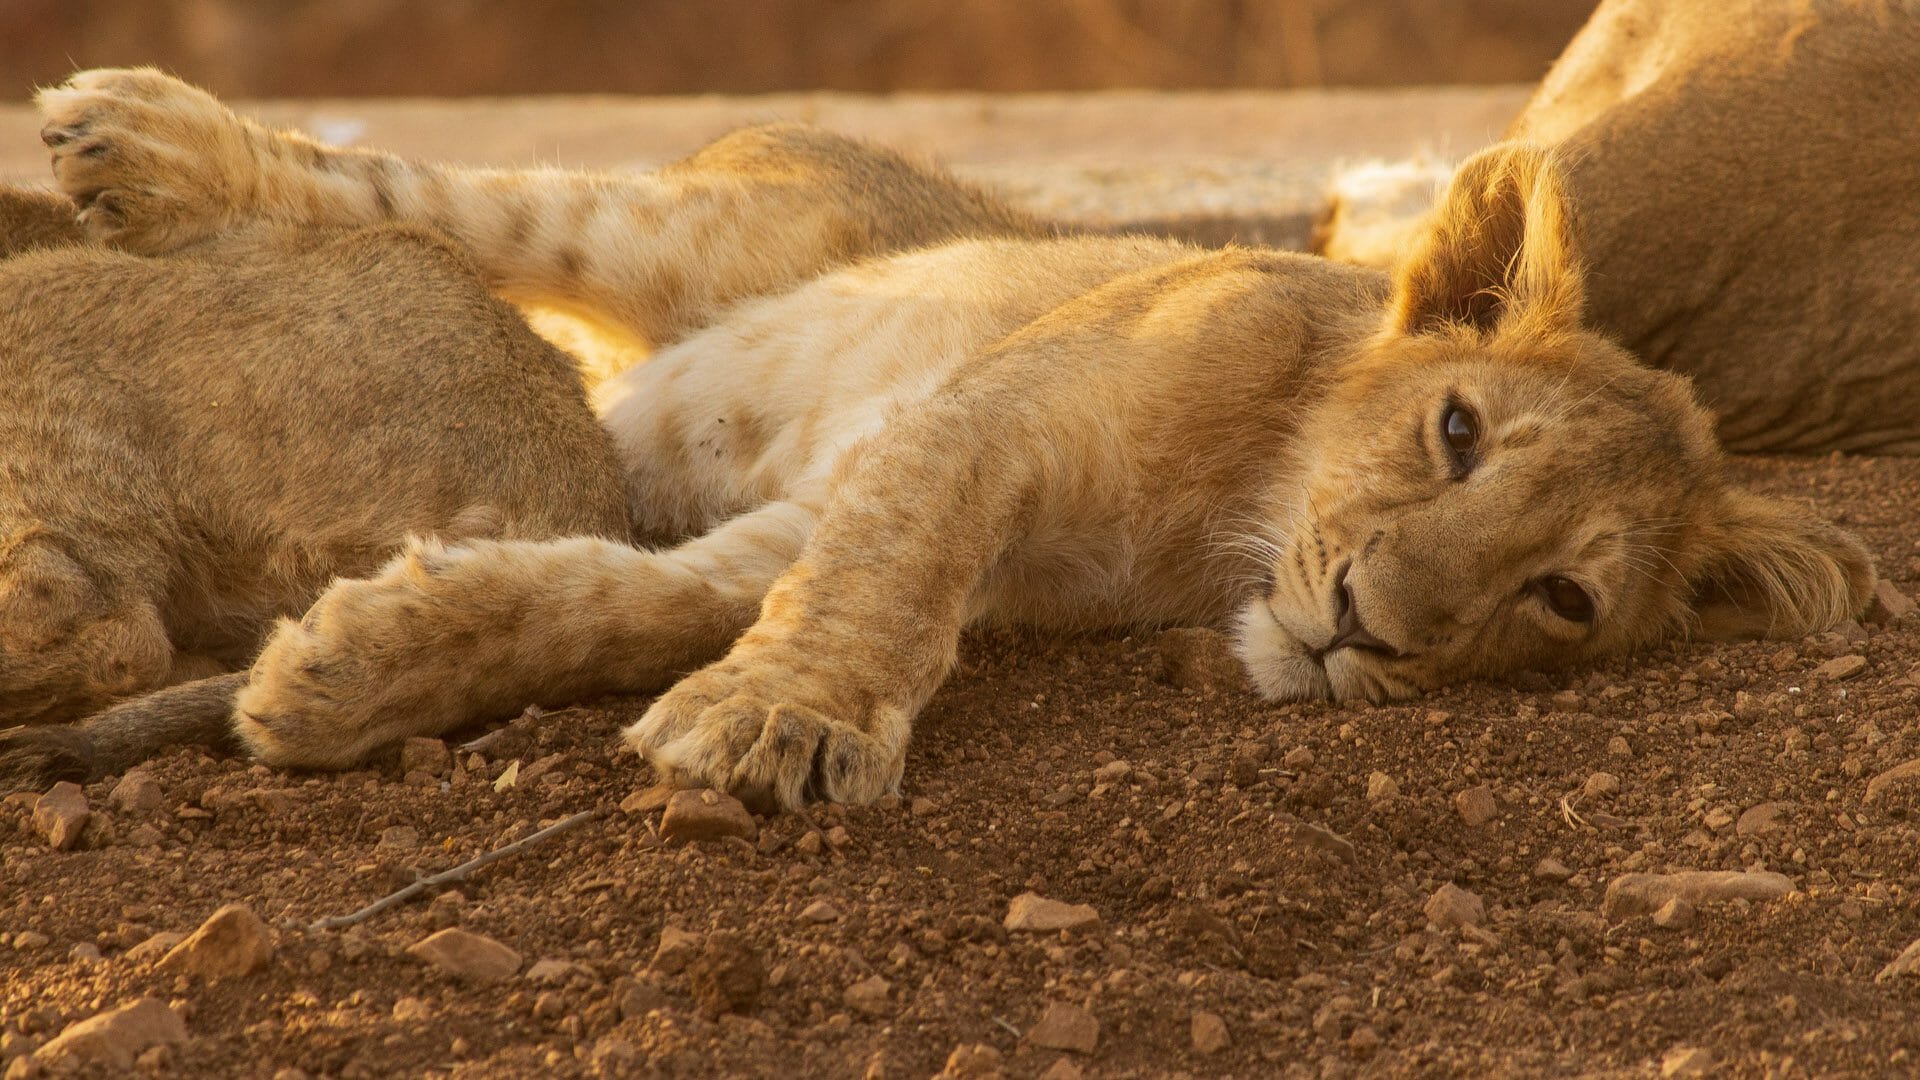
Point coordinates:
pixel 1348 631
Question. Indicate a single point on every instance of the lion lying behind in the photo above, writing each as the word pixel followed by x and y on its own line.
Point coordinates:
pixel 193 447
pixel 887 407
pixel 1744 172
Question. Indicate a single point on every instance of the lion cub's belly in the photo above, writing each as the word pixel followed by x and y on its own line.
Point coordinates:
pixel 761 406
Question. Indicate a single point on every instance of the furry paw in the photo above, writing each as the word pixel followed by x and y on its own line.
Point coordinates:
pixel 152 163
pixel 373 661
pixel 775 735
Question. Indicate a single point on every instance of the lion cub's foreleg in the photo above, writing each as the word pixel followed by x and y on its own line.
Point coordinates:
pixel 156 164
pixel 446 635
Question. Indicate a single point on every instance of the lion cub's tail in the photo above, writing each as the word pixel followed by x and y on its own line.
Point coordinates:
pixel 34 758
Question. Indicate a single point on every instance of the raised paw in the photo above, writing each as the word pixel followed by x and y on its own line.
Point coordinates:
pixel 152 163
pixel 774 736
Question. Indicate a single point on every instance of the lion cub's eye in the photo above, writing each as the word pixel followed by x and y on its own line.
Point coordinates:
pixel 1461 431
pixel 1569 601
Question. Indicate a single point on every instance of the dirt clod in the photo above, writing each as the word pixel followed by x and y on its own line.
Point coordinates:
pixel 1451 905
pixel 676 950
pixel 467 955
pixel 137 794
pixel 1644 894
pixel 704 814
pixel 1209 1033
pixel 115 1038
pixel 871 996
pixel 1035 914
pixel 1840 668
pixel 1476 806
pixel 61 815
pixel 233 941
pixel 727 976
pixel 1066 1027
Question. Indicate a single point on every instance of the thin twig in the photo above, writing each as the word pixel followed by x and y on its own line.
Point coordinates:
pixel 443 877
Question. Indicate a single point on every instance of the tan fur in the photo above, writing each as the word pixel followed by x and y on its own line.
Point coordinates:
pixel 196 445
pixel 1744 182
pixel 979 423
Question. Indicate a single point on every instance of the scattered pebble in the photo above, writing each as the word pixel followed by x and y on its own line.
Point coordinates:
pixel 1618 746
pixel 1644 894
pixel 233 941
pixel 114 1039
pixel 1194 658
pixel 30 941
pixel 1906 774
pixel 1907 963
pixel 1035 914
pixel 1209 1033
pixel 61 815
pixel 1452 905
pixel 155 947
pixel 137 794
pixel 467 955
pixel 552 971
pixel 1685 1062
pixel 1761 819
pixel 1551 869
pixel 726 977
pixel 429 756
pixel 1064 1068
pixel 705 814
pixel 1601 785
pixel 1299 759
pixel 647 800
pixel 1476 806
pixel 820 911
pixel 1066 1027
pixel 971 1061
pixel 871 996
pixel 1840 668
pixel 1675 914
pixel 1381 786
pixel 676 950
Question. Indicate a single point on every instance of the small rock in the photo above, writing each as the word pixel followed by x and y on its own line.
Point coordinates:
pixel 820 911
pixel 1364 1042
pixel 399 838
pixel 1719 819
pixel 429 756
pixel 811 843
pixel 1381 786
pixel 1761 819
pixel 1675 914
pixel 838 837
pixel 137 794
pixel 1841 667
pixel 1320 839
pixel 1035 914
pixel 676 950
pixel 1299 759
pixel 115 1038
pixel 445 910
pixel 647 800
pixel 411 1010
pixel 1685 1062
pixel 30 941
pixel 1907 963
pixel 705 815
pixel 1644 894
pixel 1889 603
pixel 467 955
pixel 61 815
pixel 1193 658
pixel 1618 746
pixel 1113 772
pixel 551 971
pixel 977 1061
pixel 1551 869
pixel 726 977
pixel 85 952
pixel 871 996
pixel 1476 806
pixel 1452 905
pixel 922 807
pixel 233 941
pixel 1066 1027
pixel 155 947
pixel 1601 785
pixel 1209 1033
pixel 1906 774
pixel 1064 1068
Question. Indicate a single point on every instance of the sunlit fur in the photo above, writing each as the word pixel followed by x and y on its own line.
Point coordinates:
pixel 884 408
pixel 1744 205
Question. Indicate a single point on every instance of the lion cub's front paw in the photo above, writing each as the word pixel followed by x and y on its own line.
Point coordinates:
pixel 775 735
pixel 152 163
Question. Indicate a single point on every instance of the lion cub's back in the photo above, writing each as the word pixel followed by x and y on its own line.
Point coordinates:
pixel 309 401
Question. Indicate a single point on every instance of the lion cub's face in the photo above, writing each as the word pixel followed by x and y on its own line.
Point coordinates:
pixel 1490 488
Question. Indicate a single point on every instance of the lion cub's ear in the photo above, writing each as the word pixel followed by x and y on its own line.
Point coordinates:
pixel 1774 570
pixel 1498 253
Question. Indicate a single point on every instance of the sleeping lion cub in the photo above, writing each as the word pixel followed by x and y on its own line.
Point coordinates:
pixel 886 407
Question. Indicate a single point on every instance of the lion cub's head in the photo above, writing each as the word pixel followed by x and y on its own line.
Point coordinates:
pixel 1490 487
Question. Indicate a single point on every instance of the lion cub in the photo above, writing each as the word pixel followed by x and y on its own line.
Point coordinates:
pixel 886 408
pixel 195 446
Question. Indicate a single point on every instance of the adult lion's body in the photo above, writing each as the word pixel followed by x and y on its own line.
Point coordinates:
pixel 195 446
pixel 1747 178
pixel 886 407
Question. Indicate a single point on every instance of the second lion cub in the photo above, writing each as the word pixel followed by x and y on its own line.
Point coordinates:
pixel 887 407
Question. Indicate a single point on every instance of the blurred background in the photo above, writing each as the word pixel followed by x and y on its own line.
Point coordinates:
pixel 443 48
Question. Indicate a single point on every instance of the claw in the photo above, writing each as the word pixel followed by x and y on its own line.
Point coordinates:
pixel 56 137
